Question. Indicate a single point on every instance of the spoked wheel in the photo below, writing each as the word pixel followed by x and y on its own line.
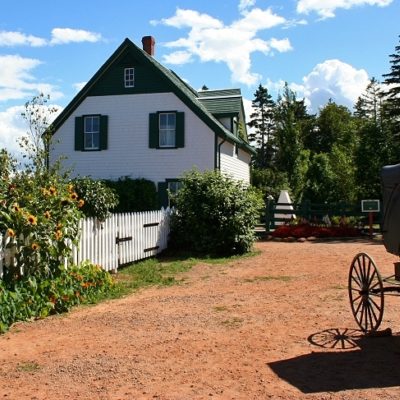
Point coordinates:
pixel 366 292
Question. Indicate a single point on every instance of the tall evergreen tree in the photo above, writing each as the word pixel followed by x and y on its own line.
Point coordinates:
pixel 392 80
pixel 262 121
pixel 292 157
pixel 369 104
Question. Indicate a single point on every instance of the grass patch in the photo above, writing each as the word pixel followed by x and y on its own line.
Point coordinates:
pixel 29 366
pixel 163 271
pixel 283 278
pixel 233 322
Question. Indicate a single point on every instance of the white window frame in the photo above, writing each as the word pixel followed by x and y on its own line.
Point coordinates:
pixel 129 77
pixel 90 132
pixel 167 134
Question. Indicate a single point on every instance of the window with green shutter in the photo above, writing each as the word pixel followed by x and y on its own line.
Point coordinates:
pixel 91 132
pixel 167 130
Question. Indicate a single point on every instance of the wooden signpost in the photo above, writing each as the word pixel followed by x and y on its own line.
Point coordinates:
pixel 370 206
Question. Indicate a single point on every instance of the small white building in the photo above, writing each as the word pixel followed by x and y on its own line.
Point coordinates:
pixel 135 118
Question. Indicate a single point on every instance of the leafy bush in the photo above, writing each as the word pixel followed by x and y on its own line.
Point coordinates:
pixel 215 214
pixel 37 296
pixel 98 198
pixel 39 215
pixel 134 195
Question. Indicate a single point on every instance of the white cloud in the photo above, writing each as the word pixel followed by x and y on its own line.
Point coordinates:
pixel 245 4
pixel 332 79
pixel 68 35
pixel 79 86
pixel 12 127
pixel 327 8
pixel 17 82
pixel 211 40
pixel 9 39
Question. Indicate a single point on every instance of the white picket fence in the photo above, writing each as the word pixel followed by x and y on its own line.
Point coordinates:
pixel 121 239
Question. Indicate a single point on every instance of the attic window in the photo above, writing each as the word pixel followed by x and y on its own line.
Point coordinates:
pixel 129 77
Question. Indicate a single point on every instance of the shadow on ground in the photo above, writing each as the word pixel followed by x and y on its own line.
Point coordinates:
pixel 353 361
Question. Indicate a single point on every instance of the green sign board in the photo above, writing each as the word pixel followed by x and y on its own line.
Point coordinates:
pixel 370 205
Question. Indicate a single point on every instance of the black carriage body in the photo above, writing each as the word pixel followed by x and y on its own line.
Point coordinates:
pixel 391 208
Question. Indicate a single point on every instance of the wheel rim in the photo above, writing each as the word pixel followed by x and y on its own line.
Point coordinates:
pixel 366 292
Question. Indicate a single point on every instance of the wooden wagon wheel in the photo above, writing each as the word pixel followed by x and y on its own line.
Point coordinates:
pixel 366 292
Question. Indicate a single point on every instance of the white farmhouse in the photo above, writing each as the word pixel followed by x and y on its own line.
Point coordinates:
pixel 138 119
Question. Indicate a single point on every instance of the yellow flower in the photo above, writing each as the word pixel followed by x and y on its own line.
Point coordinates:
pixel 10 232
pixel 35 246
pixel 45 192
pixel 70 188
pixel 58 234
pixel 73 196
pixel 81 203
pixel 52 190
pixel 16 207
pixel 32 219
pixel 47 215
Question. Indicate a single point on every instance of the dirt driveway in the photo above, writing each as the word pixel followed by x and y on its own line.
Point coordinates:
pixel 260 328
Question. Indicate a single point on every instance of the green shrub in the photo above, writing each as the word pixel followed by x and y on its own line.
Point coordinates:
pixel 98 197
pixel 38 296
pixel 215 214
pixel 134 195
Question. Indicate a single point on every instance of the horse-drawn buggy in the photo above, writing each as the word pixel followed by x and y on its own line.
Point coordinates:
pixel 367 288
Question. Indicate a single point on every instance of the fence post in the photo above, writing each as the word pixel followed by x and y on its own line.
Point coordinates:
pixel 269 212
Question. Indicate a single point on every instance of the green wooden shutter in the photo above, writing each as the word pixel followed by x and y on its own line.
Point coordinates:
pixel 153 131
pixel 103 132
pixel 162 194
pixel 79 133
pixel 180 129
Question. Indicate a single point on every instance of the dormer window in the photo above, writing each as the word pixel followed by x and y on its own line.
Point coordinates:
pixel 129 77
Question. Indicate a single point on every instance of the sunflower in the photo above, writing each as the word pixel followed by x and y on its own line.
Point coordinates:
pixel 35 246
pixel 47 214
pixel 81 202
pixel 32 219
pixel 52 190
pixel 16 207
pixel 73 196
pixel 58 234
pixel 10 232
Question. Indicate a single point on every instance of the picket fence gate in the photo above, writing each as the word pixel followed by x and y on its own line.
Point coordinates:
pixel 119 240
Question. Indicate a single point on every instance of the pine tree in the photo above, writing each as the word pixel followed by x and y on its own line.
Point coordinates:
pixel 392 80
pixel 262 121
pixel 369 104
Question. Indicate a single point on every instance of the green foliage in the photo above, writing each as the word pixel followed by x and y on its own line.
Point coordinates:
pixel 269 181
pixel 215 214
pixel 98 198
pixel 39 218
pixel 37 296
pixel 134 195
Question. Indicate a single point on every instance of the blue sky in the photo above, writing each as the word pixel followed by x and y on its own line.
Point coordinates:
pixel 322 48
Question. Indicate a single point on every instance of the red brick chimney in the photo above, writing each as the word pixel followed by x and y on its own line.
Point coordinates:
pixel 148 44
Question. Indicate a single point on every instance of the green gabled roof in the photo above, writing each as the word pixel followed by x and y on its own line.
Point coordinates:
pixel 222 105
pixel 175 84
pixel 220 93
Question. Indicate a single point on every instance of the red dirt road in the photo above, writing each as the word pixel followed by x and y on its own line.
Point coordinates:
pixel 274 326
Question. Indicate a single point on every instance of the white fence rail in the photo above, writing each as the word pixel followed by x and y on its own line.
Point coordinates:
pixel 120 239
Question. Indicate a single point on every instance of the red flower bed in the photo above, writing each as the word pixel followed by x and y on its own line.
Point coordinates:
pixel 306 230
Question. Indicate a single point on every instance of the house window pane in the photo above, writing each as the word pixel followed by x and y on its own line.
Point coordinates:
pixel 129 77
pixel 92 132
pixel 167 134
